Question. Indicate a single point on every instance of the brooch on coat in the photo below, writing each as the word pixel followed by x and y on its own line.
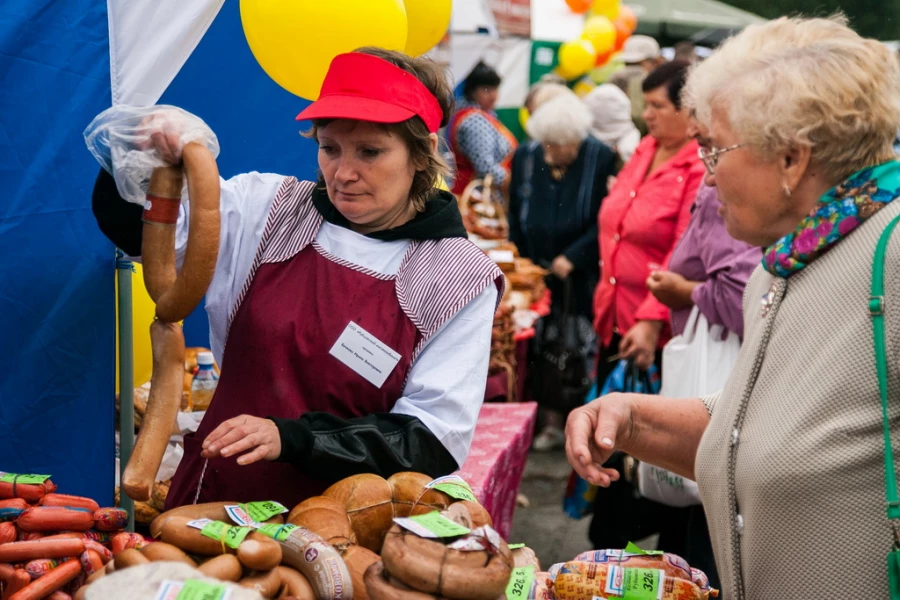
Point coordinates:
pixel 768 300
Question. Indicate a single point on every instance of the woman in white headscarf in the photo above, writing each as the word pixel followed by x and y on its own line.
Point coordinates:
pixel 611 112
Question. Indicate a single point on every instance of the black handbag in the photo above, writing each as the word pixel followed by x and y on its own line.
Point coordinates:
pixel 564 357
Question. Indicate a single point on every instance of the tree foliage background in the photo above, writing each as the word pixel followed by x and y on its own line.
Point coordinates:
pixel 871 18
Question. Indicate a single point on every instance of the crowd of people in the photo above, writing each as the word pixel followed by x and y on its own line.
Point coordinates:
pixel 758 204
pixel 730 189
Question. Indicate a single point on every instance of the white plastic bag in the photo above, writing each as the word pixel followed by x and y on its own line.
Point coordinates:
pixel 125 140
pixel 695 363
pixel 171 460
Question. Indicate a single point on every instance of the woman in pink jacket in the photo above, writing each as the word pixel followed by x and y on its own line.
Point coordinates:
pixel 641 221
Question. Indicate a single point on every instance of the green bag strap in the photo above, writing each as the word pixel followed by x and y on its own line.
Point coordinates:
pixel 876 310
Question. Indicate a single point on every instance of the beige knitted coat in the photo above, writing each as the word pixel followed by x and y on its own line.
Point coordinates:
pixel 791 466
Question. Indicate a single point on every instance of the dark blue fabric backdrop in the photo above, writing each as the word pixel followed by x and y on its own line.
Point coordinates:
pixel 57 338
pixel 57 301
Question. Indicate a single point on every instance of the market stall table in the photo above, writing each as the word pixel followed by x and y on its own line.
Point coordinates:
pixel 501 383
pixel 497 457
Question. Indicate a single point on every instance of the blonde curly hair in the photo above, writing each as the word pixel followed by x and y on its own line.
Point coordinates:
pixel 797 82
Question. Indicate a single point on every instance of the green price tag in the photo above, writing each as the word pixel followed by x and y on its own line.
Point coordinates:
pixel 277 532
pixel 195 589
pixel 263 511
pixel 24 479
pixel 516 546
pixel 232 536
pixel 632 548
pixel 455 487
pixel 520 583
pixel 439 525
pixel 641 584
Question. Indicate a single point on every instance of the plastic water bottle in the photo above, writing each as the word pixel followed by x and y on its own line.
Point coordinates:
pixel 205 381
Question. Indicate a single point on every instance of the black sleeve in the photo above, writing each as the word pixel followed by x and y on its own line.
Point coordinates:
pixel 330 448
pixel 118 219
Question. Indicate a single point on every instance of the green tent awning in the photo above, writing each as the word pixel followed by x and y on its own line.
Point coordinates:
pixel 680 19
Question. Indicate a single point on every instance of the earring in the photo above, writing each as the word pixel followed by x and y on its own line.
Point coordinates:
pixel 787 190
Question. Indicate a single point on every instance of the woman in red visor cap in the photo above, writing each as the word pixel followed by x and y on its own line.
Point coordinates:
pixel 351 316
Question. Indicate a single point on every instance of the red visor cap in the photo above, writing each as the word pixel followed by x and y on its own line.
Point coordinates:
pixel 367 88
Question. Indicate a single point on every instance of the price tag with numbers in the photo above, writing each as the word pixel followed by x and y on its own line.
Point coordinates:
pixel 454 486
pixel 263 511
pixel 277 532
pixel 520 583
pixel 433 525
pixel 24 479
pixel 635 584
pixel 231 536
pixel 195 589
pixel 192 589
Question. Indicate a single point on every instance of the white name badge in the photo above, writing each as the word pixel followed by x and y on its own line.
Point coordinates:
pixel 365 354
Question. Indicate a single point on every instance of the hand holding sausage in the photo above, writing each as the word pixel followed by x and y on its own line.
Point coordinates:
pixel 594 432
pixel 259 438
pixel 163 131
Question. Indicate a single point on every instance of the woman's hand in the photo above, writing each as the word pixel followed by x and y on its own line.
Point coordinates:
pixel 640 343
pixel 594 432
pixel 671 289
pixel 163 129
pixel 258 437
pixel 562 267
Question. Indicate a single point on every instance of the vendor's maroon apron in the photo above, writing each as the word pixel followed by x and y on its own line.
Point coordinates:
pixel 296 304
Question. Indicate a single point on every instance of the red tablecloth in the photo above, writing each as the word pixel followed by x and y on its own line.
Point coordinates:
pixel 497 458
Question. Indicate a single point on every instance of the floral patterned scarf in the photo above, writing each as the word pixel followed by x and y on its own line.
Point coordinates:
pixel 841 210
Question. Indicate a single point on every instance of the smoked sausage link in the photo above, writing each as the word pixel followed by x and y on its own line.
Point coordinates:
pixel 177 294
pixel 321 564
pixel 167 341
pixel 431 567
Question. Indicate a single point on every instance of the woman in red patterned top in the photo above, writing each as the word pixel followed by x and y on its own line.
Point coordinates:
pixel 641 220
pixel 480 143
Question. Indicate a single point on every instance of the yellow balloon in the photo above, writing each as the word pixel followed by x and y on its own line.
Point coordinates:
pixel 294 41
pixel 143 309
pixel 576 58
pixel 601 33
pixel 428 22
pixel 606 8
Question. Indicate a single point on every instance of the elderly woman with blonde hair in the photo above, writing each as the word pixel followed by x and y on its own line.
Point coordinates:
pixel 558 181
pixel 790 455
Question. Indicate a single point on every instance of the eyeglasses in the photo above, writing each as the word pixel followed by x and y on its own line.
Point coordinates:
pixel 710 157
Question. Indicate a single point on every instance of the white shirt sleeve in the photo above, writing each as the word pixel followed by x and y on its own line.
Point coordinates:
pixel 245 201
pixel 446 384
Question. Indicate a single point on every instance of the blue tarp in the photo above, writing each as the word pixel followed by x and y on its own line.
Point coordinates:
pixel 57 301
pixel 57 339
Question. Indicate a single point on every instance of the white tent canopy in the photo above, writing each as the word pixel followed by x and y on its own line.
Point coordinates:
pixel 147 47
pixel 551 20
